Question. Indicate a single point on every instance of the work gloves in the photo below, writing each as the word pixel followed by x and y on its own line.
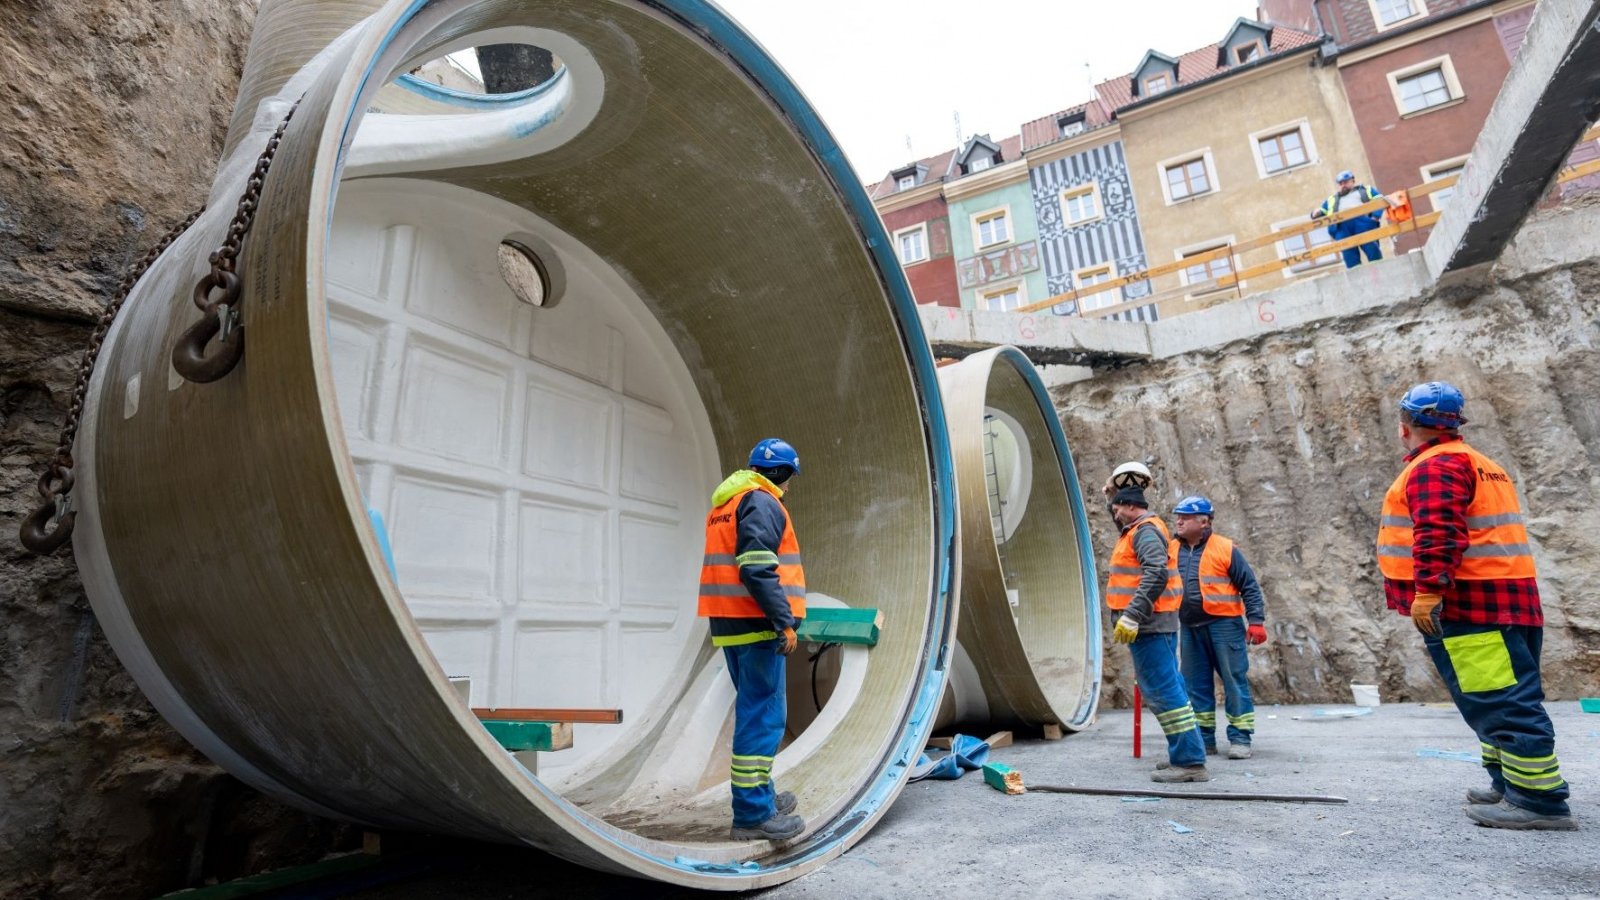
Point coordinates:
pixel 789 642
pixel 1256 633
pixel 1425 612
pixel 1125 631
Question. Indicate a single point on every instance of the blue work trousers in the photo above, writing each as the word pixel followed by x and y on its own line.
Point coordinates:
pixel 1217 650
pixel 759 714
pixel 1155 665
pixel 1359 225
pixel 1493 675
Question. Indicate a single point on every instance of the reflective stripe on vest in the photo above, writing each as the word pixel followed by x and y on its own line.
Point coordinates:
pixel 722 592
pixel 1125 571
pixel 1497 536
pixel 1218 596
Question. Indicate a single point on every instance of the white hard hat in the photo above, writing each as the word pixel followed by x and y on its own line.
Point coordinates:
pixel 1131 474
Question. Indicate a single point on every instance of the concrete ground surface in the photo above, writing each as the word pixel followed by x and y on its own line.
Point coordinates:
pixel 1402 834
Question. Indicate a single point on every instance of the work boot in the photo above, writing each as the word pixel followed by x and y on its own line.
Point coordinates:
pixel 1211 750
pixel 785 802
pixel 778 828
pixel 1170 774
pixel 1515 818
pixel 1483 796
pixel 1238 751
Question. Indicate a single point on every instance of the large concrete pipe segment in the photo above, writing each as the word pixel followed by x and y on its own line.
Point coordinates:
pixel 1030 599
pixel 525 343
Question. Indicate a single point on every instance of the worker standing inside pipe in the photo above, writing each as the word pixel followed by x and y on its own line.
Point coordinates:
pixel 1220 596
pixel 1455 557
pixel 1145 589
pixel 753 590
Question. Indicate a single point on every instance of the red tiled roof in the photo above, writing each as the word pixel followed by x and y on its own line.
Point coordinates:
pixel 936 166
pixel 1201 65
pixel 1047 129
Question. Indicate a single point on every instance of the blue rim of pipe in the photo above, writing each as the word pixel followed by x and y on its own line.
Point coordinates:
pixel 438 93
pixel 1093 657
pixel 711 24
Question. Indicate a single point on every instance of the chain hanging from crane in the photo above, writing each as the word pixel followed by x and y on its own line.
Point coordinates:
pixel 49 526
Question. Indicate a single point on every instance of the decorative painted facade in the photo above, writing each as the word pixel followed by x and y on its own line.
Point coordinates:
pixel 1088 218
pixel 993 228
pixel 911 202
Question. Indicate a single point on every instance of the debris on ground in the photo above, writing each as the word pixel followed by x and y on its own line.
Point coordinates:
pixel 1180 829
pixel 1458 755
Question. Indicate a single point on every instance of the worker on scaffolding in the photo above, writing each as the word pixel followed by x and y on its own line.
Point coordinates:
pixel 753 591
pixel 1222 612
pixel 1145 591
pixel 1454 552
pixel 1349 196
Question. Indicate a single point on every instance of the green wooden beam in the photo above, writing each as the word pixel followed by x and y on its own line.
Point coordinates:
pixel 518 736
pixel 841 626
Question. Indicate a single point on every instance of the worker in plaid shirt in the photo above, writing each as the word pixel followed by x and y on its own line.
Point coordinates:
pixel 1455 557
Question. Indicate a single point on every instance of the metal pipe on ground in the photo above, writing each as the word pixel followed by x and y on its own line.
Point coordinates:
pixel 521 340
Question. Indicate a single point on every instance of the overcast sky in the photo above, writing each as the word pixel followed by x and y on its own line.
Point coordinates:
pixel 880 72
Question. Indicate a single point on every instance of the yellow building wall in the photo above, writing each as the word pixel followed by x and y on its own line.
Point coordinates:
pixel 1221 119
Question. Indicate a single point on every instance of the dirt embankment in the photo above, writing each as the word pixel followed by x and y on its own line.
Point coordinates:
pixel 1293 437
pixel 114 116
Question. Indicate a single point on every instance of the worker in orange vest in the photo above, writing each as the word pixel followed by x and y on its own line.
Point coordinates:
pixel 753 591
pixel 1222 612
pixel 1144 590
pixel 1455 557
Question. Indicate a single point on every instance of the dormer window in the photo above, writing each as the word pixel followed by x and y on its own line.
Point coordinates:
pixel 1246 52
pixel 1071 125
pixel 907 182
pixel 979 163
pixel 1157 83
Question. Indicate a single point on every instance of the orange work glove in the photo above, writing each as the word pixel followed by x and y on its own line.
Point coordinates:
pixel 789 642
pixel 1425 612
pixel 1256 633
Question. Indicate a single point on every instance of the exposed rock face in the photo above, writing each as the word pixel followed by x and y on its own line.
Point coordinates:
pixel 114 116
pixel 1293 436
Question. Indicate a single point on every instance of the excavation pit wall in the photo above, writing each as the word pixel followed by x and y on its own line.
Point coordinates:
pixel 1288 425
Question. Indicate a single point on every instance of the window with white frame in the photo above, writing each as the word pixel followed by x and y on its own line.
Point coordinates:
pixel 1093 275
pixel 1001 299
pixel 1205 272
pixel 1441 170
pixel 1425 86
pixel 1388 13
pixel 1081 204
pixel 1071 125
pixel 979 163
pixel 1296 244
pixel 913 244
pixel 1187 178
pixel 992 228
pixel 1157 83
pixel 907 182
pixel 1283 150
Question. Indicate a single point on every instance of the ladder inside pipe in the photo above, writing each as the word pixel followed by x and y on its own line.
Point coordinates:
pixel 997 510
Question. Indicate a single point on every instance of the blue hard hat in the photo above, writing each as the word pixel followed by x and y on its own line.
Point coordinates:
pixel 1346 175
pixel 1435 404
pixel 773 453
pixel 1195 505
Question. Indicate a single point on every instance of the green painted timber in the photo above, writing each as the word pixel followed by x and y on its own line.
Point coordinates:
pixel 840 626
pixel 519 736
pixel 1002 777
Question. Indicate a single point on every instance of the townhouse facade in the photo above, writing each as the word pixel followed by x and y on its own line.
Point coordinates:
pixel 911 202
pixel 1226 143
pixel 1088 218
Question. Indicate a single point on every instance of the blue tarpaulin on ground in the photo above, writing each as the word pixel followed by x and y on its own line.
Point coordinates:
pixel 966 754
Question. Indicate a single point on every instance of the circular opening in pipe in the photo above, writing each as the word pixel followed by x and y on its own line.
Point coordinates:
pixel 526 274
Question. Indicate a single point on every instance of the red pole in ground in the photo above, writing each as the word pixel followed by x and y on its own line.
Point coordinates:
pixel 1138 721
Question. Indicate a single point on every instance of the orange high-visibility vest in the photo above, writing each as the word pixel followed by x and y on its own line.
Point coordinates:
pixel 1218 596
pixel 722 594
pixel 1125 571
pixel 1497 538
